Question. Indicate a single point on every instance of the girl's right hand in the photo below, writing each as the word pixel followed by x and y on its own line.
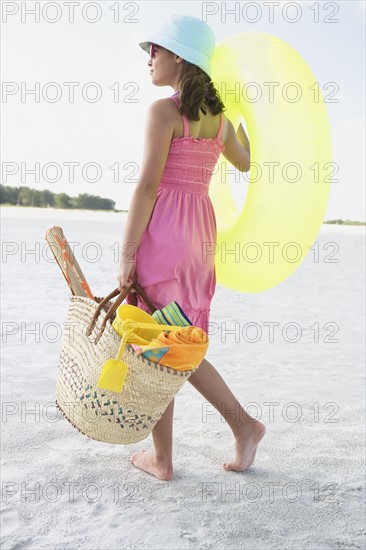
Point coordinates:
pixel 126 274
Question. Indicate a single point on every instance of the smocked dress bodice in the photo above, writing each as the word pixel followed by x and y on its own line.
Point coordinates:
pixel 191 161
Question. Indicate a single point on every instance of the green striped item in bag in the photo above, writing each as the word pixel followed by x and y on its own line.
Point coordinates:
pixel 172 314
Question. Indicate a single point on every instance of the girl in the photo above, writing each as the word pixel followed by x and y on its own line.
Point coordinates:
pixel 171 219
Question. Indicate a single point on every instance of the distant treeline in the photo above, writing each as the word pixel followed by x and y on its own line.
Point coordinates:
pixel 25 196
pixel 345 222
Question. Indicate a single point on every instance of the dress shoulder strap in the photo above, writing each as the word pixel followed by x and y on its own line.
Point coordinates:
pixel 176 99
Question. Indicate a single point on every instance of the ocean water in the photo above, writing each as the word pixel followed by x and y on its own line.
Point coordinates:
pixel 328 284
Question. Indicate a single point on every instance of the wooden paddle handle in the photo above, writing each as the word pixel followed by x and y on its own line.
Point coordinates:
pixel 67 262
pixel 121 295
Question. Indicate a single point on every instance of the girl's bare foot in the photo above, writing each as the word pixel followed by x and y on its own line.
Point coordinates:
pixel 246 446
pixel 148 462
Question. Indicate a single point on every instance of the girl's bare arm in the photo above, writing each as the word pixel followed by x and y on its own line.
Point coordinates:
pixel 237 149
pixel 158 136
pixel 243 138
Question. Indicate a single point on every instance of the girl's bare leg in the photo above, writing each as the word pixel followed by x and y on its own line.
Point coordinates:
pixel 247 430
pixel 159 463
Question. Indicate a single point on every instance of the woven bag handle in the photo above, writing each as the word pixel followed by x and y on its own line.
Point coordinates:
pixel 140 291
pixel 121 295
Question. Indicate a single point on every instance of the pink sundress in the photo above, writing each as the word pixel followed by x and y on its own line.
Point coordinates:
pixel 175 259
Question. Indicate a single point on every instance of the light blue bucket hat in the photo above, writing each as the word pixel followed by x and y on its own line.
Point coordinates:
pixel 188 37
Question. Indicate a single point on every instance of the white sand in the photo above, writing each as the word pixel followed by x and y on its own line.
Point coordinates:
pixel 305 489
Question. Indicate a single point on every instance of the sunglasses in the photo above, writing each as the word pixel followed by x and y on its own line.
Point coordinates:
pixel 153 49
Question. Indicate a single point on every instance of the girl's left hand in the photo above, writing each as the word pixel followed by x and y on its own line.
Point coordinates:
pixel 126 274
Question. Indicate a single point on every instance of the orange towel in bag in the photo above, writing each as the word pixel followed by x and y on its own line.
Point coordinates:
pixel 182 349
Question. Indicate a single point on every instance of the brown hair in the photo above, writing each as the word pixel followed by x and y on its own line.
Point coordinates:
pixel 198 92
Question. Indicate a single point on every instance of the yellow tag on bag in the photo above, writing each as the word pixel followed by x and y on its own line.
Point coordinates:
pixel 114 371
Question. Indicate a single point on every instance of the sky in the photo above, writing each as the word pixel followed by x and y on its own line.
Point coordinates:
pixel 104 138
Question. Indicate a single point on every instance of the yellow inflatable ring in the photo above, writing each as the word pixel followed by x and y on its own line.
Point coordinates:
pixel 264 81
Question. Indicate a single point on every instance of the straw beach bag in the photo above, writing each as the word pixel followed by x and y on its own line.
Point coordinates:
pixel 88 342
